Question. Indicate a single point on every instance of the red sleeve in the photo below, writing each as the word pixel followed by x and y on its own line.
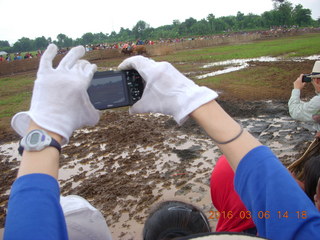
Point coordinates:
pixel 234 216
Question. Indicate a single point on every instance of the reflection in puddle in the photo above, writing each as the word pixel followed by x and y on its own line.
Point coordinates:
pixel 238 64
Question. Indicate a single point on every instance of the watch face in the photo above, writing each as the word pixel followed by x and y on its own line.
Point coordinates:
pixel 34 138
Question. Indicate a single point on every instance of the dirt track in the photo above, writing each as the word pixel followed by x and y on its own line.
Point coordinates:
pixel 128 163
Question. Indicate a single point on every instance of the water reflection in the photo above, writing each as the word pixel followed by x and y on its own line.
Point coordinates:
pixel 238 64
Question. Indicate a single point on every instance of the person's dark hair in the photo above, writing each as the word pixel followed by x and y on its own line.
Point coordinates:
pixel 172 219
pixel 312 174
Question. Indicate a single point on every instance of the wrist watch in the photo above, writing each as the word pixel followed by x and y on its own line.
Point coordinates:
pixel 37 140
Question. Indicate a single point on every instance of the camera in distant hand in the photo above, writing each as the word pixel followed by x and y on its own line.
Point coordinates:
pixel 306 78
pixel 112 89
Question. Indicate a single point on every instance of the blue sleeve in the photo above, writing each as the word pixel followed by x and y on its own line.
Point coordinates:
pixel 34 210
pixel 278 206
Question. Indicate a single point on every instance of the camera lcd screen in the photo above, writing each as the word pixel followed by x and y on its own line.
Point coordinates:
pixel 107 91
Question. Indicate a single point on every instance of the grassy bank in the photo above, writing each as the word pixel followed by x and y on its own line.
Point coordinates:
pixel 261 81
pixel 296 46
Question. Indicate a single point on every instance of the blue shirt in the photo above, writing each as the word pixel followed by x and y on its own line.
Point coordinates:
pixel 278 206
pixel 34 210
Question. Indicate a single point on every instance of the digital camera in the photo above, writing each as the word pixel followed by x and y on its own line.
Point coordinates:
pixel 306 78
pixel 112 89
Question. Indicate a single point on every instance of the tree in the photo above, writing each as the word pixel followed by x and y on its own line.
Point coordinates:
pixel 125 34
pixel 284 15
pixel 229 23
pixel 176 22
pixel 64 41
pixel 211 19
pixel 87 38
pixel 41 43
pixel 139 29
pixel 99 38
pixel 301 16
pixel 4 44
pixel 200 28
pixel 23 44
pixel 276 3
pixel 240 20
pixel 189 22
pixel 268 18
pixel 252 21
pixel 220 25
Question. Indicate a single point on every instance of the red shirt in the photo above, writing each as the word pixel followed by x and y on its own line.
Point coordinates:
pixel 234 217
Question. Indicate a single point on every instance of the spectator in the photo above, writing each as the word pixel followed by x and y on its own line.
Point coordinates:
pixel 39 53
pixel 311 176
pixel 173 219
pixel 139 42
pixel 8 58
pixel 306 111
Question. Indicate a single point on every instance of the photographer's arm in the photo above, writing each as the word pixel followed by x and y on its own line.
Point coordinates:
pixel 223 128
pixel 59 105
pixel 34 210
pixel 45 161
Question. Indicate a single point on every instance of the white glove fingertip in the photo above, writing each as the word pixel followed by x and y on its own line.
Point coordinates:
pixel 138 107
pixel 47 58
pixel 136 62
pixel 89 70
pixel 93 68
pixel 72 57
pixel 125 65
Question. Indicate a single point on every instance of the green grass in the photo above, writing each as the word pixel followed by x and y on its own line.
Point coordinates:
pixel 15 94
pixel 296 46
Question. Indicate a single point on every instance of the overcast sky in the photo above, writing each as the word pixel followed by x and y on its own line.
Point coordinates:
pixel 36 18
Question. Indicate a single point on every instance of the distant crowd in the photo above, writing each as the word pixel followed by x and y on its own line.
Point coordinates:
pixel 272 32
pixel 118 45
pixel 18 56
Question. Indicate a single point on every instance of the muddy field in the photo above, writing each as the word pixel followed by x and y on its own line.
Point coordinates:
pixel 126 164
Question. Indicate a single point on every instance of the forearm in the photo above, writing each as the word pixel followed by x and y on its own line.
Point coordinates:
pixel 45 161
pixel 220 126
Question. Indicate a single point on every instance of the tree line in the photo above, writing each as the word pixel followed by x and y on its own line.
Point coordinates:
pixel 283 14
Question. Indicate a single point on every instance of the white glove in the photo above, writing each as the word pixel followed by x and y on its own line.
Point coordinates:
pixel 60 102
pixel 167 91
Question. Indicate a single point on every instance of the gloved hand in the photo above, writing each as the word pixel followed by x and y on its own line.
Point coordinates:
pixel 60 102
pixel 167 91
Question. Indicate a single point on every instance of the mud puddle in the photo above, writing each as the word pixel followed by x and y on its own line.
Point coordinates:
pixel 239 64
